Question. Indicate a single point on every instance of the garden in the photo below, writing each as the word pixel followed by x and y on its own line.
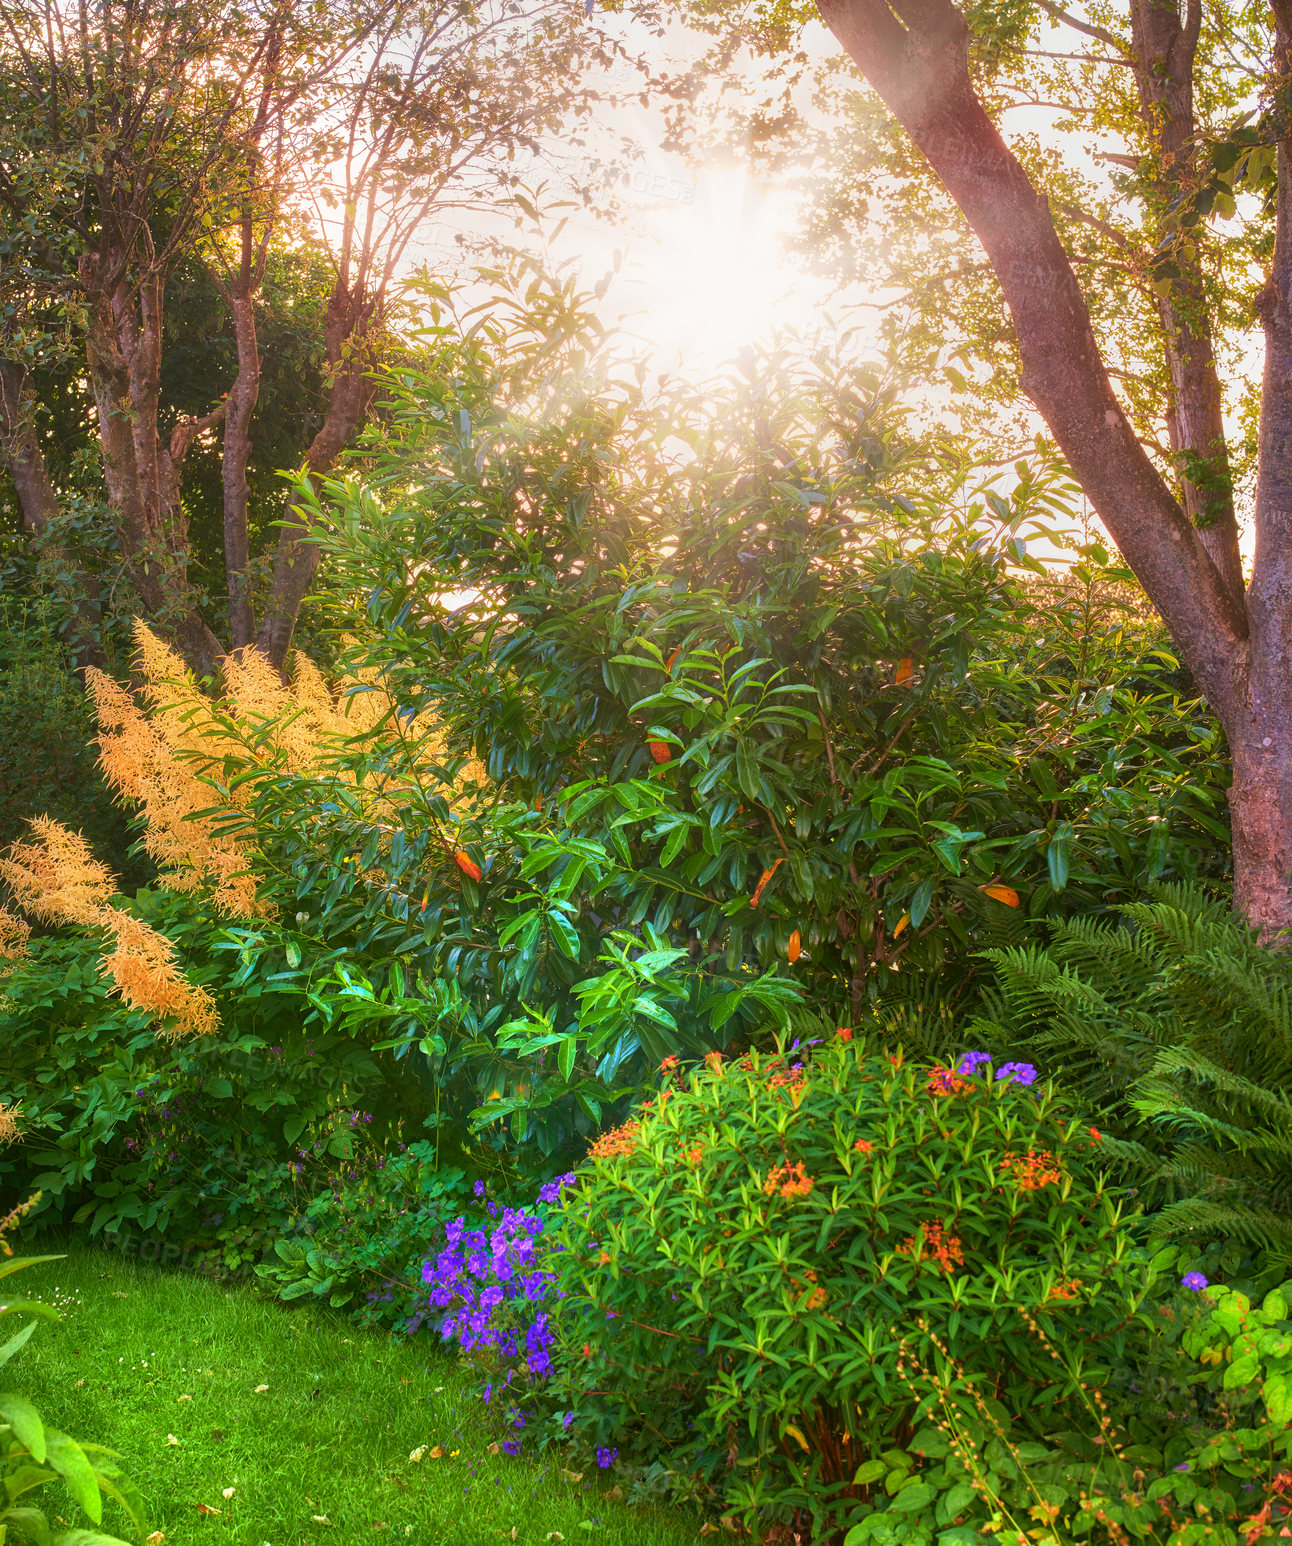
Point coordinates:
pixel 692 956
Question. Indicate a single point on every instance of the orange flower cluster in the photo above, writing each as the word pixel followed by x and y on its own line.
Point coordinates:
pixel 695 1155
pixel 57 879
pixel 945 1081
pixel 619 1140
pixel 788 1180
pixel 793 1082
pixel 1033 1170
pixel 845 1033
pixel 1067 1290
pixel 713 1061
pixel 863 1146
pixel 940 1245
pixel 669 1063
pixel 818 1295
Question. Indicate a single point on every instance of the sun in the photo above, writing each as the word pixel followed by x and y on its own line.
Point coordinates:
pixel 707 275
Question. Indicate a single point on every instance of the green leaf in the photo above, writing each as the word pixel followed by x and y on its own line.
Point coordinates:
pixel 1277 1394
pixel 566 1056
pixel 913 1497
pixel 9 1348
pixel 67 1457
pixel 1242 1371
pixel 25 1421
pixel 869 1472
pixel 747 770
pixel 920 901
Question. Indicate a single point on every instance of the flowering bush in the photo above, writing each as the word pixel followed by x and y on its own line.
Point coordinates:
pixel 738 1271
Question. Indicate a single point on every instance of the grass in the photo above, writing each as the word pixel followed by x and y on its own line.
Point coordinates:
pixel 167 1368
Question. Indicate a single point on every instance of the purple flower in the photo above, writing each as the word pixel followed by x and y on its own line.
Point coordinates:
pixel 551 1192
pixel 1196 1282
pixel 511 1446
pixel 567 1420
pixel 479 1188
pixel 606 1457
pixel 968 1064
pixel 1020 1073
pixel 1185 1465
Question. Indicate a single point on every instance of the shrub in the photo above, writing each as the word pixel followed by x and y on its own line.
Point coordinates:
pixel 756 1254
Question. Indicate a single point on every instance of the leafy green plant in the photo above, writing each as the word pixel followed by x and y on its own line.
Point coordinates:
pixel 33 1454
pixel 1172 1025
pixel 759 1251
pixel 1222 1478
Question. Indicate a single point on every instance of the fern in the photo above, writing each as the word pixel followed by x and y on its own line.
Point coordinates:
pixel 1172 1024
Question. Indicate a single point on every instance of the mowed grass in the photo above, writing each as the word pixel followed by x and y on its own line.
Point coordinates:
pixel 166 1367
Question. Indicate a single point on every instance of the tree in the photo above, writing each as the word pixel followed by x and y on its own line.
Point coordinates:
pixel 138 137
pixel 1170 83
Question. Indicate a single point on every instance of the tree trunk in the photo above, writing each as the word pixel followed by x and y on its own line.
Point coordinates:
pixel 1260 735
pixel 350 317
pixel 237 455
pixel 1164 48
pixel 123 353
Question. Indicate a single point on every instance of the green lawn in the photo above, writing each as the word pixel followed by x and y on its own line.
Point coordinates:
pixel 167 1368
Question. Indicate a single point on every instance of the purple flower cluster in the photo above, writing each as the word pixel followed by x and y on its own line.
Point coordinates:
pixel 478 1273
pixel 1017 1073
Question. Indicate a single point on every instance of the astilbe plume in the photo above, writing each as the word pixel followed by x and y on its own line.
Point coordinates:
pixel 14 934
pixel 57 879
pixel 142 967
pixel 9 1129
pixel 155 761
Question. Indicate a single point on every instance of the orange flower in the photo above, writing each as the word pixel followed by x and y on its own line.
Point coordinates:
pixel 1033 1170
pixel 602 1258
pixel 844 1033
pixel 864 1146
pixel 1096 1134
pixel 695 1155
pixel 945 1081
pixel 1066 1290
pixel 669 1063
pixel 713 1061
pixel 788 1180
pixel 619 1140
pixel 940 1246
pixel 587 1350
pixel 467 864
